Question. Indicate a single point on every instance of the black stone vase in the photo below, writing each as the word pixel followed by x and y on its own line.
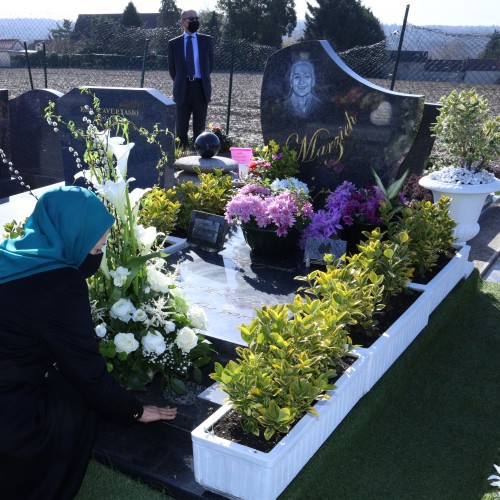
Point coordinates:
pixel 266 242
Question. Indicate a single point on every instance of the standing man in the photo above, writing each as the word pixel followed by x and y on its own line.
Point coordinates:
pixel 190 62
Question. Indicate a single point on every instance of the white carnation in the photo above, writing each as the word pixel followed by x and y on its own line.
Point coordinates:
pixel 119 276
pixel 186 339
pixel 139 315
pixel 125 342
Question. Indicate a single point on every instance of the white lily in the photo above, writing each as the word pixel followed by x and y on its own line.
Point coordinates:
pixel 104 263
pixel 135 197
pixel 146 237
pixel 121 153
pixel 495 483
pixel 114 192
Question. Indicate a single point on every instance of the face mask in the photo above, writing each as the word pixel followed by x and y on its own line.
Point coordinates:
pixel 193 26
pixel 91 264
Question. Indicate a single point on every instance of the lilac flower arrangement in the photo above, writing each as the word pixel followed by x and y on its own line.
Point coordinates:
pixel 282 206
pixel 346 206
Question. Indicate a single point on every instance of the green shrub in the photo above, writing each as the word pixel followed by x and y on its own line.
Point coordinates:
pixel 287 365
pixel 429 227
pixel 159 210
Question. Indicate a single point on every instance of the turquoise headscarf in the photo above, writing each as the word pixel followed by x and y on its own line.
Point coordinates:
pixel 65 225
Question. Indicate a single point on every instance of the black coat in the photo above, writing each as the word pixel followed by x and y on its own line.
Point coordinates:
pixel 177 65
pixel 52 381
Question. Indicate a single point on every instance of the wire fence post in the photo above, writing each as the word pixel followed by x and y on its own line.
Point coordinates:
pixel 145 55
pixel 44 64
pixel 398 54
pixel 28 64
pixel 230 91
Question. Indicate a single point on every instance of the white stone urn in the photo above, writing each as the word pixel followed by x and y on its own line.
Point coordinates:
pixel 467 201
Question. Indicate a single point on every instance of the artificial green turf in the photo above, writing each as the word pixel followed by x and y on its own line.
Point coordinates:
pixel 430 428
pixel 104 483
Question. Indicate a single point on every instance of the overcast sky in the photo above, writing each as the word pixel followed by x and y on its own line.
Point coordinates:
pixel 422 12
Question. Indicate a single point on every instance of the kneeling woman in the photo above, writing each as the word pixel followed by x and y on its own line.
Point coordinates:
pixel 53 380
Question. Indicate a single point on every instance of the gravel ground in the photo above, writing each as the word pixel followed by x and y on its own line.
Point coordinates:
pixel 244 124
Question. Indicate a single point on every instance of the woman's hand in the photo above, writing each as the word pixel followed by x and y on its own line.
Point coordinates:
pixel 154 413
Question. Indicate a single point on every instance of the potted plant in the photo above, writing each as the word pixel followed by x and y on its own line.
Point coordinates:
pixel 272 217
pixel 470 139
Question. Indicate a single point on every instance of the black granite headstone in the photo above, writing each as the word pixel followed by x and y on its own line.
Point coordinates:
pixel 36 152
pixel 340 124
pixel 4 129
pixel 144 108
pixel 415 160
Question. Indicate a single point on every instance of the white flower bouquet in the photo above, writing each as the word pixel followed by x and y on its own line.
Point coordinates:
pixel 142 321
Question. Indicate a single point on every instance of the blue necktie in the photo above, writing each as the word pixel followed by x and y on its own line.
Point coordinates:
pixel 189 57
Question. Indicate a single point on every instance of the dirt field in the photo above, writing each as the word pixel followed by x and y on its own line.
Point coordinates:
pixel 244 124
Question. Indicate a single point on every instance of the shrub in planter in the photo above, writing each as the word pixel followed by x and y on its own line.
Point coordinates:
pixel 159 210
pixel 211 195
pixel 430 230
pixel 351 286
pixel 287 365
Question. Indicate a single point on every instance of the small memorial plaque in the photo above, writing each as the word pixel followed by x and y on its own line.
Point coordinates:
pixel 207 230
pixel 317 248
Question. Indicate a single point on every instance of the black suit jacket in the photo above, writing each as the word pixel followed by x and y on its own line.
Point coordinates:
pixel 177 65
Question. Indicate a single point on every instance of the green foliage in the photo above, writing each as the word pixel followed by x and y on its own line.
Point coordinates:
pixel 14 229
pixel 211 195
pixel 492 49
pixel 130 17
pixel 159 211
pixel 466 131
pixel 351 287
pixel 274 162
pixel 430 230
pixel 344 23
pixel 388 258
pixel 169 14
pixel 62 31
pixel 264 22
pixel 286 366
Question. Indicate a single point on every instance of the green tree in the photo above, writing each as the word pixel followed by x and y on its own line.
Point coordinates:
pixel 62 31
pixel 169 14
pixel 261 21
pixel 492 49
pixel 130 17
pixel 211 22
pixel 344 23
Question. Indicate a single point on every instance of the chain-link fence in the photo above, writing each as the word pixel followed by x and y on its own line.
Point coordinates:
pixel 101 52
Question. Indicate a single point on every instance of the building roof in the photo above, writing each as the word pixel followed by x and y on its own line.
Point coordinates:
pixel 9 43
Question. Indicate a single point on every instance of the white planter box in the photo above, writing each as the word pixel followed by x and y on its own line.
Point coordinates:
pixel 442 284
pixel 236 471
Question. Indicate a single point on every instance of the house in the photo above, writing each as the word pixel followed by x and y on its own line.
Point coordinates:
pixel 445 70
pixel 482 71
pixel 8 47
pixel 411 63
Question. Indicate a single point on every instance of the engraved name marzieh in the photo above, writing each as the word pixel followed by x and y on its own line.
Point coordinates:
pixel 321 143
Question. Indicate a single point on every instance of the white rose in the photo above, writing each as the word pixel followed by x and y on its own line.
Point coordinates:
pixel 186 339
pixel 125 342
pixel 169 326
pixel 159 281
pixel 154 342
pixel 119 275
pixel 139 315
pixel 100 330
pixel 197 317
pixel 123 310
